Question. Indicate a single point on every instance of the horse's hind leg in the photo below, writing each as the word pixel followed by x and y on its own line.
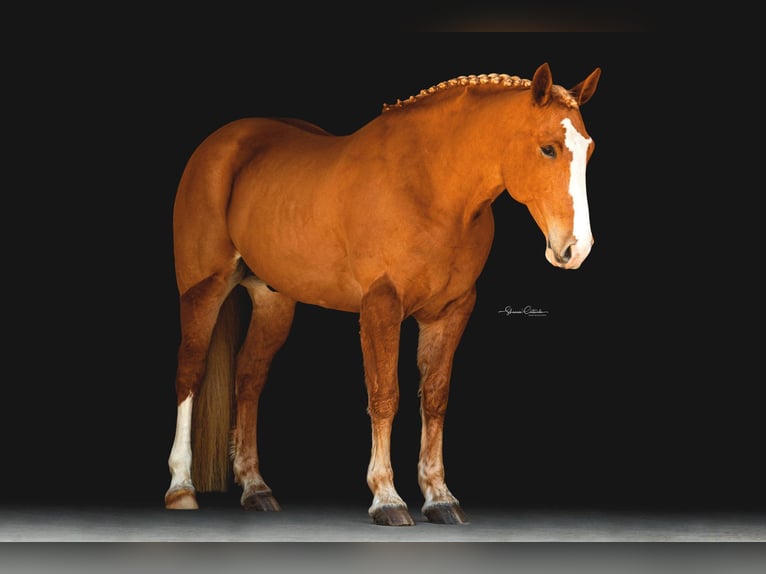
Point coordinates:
pixel 272 317
pixel 437 342
pixel 198 312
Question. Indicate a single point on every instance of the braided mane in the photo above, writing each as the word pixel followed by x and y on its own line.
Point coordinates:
pixel 482 79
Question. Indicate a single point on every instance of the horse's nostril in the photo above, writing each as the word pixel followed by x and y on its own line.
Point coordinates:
pixel 564 257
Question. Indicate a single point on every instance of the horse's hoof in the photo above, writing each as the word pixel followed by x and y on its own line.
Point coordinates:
pixel 260 501
pixel 444 514
pixel 183 498
pixel 392 516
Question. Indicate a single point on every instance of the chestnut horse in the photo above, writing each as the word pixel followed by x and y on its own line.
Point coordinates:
pixel 391 221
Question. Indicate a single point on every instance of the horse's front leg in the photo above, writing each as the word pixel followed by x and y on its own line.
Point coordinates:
pixel 437 341
pixel 380 320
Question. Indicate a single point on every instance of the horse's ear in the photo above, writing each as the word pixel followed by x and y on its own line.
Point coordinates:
pixel 541 85
pixel 583 91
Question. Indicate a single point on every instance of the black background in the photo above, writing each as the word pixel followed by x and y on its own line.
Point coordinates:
pixel 636 391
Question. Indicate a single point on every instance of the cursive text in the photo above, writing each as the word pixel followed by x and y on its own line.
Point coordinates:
pixel 527 311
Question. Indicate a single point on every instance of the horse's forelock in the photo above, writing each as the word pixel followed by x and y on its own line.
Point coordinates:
pixel 564 97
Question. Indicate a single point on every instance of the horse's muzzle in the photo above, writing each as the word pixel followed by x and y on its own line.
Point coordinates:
pixel 569 254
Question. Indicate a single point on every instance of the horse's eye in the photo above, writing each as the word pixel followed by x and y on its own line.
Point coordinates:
pixel 548 151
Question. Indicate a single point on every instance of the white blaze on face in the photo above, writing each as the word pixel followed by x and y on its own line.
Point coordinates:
pixel 578 146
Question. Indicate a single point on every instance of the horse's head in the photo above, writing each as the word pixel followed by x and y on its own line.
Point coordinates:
pixel 545 169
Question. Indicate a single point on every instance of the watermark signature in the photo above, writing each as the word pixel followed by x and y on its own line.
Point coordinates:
pixel 526 311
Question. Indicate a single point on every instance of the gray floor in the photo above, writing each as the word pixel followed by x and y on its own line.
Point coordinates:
pixel 340 540
pixel 320 524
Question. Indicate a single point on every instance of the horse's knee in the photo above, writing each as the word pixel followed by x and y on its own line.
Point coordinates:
pixel 383 407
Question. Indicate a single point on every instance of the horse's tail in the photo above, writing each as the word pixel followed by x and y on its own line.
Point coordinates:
pixel 213 412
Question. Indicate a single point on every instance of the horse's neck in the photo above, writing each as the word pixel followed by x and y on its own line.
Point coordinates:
pixel 454 147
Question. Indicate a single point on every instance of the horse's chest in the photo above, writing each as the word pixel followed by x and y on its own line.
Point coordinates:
pixel 452 276
pixel 446 267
